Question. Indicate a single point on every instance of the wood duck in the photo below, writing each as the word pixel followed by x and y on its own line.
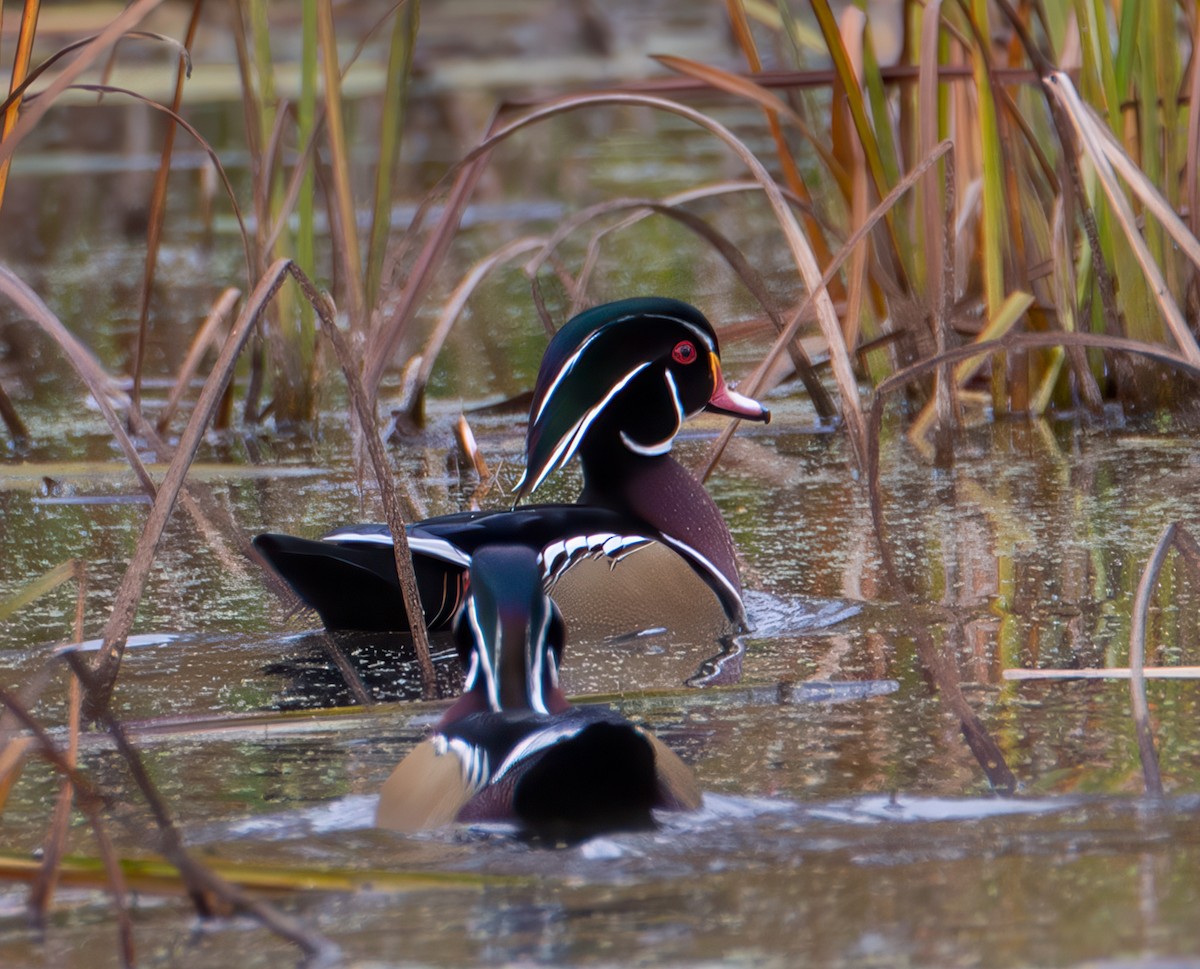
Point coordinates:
pixel 645 546
pixel 512 748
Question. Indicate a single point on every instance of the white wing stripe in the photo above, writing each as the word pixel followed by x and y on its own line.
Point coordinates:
pixel 437 548
pixel 712 570
pixel 559 556
pixel 537 741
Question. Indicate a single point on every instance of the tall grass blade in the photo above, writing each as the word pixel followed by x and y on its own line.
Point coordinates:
pixel 1011 312
pixel 754 383
pixel 55 843
pixel 303 176
pixel 394 116
pixel 995 234
pixel 1137 655
pixel 12 420
pixel 20 68
pixel 205 337
pixel 90 801
pixel 129 593
pixel 88 55
pixel 1191 171
pixel 263 87
pixel 1021 674
pixel 787 162
pixel 155 876
pixel 848 78
pixel 12 761
pixel 1144 188
pixel 209 892
pixel 99 384
pixel 1098 79
pixel 1092 145
pixel 853 26
pixel 364 408
pixel 928 132
pixel 335 129
pixel 880 102
pixel 158 206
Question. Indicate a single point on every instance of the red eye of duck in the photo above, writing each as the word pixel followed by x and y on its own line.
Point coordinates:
pixel 684 352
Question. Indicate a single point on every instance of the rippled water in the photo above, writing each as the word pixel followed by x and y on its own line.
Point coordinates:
pixel 846 822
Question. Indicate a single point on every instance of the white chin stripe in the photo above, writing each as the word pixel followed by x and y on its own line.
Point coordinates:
pixel 663 446
pixel 650 450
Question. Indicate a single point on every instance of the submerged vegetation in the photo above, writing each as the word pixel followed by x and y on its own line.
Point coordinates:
pixel 997 217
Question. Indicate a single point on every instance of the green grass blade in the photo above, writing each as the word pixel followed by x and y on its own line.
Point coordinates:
pixel 994 210
pixel 1123 67
pixel 161 877
pixel 862 125
pixel 1098 79
pixel 338 144
pixel 306 123
pixel 31 591
pixel 395 103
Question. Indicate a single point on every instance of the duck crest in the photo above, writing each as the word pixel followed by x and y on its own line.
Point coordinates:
pixel 634 369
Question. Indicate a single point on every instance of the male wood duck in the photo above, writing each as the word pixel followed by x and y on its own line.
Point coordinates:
pixel 645 546
pixel 512 748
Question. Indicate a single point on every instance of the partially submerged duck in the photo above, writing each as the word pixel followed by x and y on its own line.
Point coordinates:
pixel 512 748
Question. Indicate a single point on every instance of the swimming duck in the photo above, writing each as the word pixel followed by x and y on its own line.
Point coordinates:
pixel 512 748
pixel 644 546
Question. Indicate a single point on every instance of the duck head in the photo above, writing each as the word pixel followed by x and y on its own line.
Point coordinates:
pixel 509 635
pixel 626 374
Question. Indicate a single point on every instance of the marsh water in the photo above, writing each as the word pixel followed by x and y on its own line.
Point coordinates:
pixel 846 821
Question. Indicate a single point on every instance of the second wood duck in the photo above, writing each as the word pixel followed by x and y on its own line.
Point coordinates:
pixel 512 748
pixel 644 545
